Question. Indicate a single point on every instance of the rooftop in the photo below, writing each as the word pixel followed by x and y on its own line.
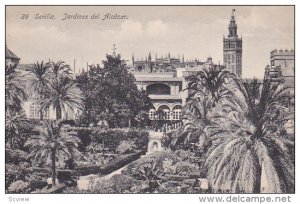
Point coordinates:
pixel 9 54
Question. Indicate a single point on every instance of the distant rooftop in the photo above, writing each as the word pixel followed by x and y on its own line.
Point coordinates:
pixel 9 54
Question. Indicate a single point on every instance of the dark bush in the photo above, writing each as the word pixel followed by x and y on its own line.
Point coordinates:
pixel 85 136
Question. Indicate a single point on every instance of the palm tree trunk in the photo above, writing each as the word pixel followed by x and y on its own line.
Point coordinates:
pixel 41 115
pixel 257 184
pixel 53 168
pixel 58 113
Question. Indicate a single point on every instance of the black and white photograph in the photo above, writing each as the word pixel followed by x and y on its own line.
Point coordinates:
pixel 156 99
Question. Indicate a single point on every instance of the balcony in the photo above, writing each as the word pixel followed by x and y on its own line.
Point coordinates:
pixel 165 97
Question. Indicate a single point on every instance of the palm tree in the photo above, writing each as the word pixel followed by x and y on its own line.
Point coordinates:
pixel 39 79
pixel 246 141
pixel 60 69
pixel 209 87
pixel 14 121
pixel 14 89
pixel 211 82
pixel 63 95
pixel 54 143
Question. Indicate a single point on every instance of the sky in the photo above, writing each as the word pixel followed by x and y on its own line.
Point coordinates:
pixel 195 31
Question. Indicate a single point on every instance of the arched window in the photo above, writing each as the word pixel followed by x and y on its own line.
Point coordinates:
pixel 164 112
pixel 177 112
pixel 158 89
pixel 140 68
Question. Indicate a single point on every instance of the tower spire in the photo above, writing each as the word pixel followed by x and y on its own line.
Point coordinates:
pixel 232 26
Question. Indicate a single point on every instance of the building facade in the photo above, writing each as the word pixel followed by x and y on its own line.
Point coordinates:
pixel 233 48
pixel 285 61
pixel 167 90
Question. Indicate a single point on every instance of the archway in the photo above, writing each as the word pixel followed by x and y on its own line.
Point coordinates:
pixel 158 89
pixel 163 112
pixel 139 68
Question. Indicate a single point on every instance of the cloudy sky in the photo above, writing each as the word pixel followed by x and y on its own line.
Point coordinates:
pixel 196 32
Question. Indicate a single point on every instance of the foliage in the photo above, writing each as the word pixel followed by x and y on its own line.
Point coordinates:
pixel 14 97
pixel 112 138
pixel 16 123
pixel 126 147
pixel 15 156
pixel 64 95
pixel 153 168
pixel 14 89
pixel 14 172
pixel 53 85
pixel 53 143
pixel 246 141
pixel 85 138
pixel 110 92
pixel 18 187
pixel 208 88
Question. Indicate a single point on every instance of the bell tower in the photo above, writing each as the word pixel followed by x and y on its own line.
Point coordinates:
pixel 232 48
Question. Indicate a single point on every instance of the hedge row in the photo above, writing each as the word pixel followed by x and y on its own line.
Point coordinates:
pixel 113 137
pixel 109 167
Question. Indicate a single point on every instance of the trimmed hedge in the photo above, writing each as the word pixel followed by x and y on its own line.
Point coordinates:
pixel 109 167
pixel 112 137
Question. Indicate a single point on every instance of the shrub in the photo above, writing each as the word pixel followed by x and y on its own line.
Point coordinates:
pixel 126 147
pixel 15 156
pixel 156 168
pixel 112 138
pixel 85 137
pixel 15 172
pixel 18 187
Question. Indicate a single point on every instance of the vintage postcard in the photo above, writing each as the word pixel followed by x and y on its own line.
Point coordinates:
pixel 150 99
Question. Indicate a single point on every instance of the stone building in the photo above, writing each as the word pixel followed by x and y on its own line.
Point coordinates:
pixel 285 61
pixel 167 90
pixel 233 48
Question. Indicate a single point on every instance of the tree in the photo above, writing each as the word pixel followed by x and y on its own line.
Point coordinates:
pixel 14 89
pixel 246 140
pixel 39 79
pixel 61 69
pixel 14 97
pixel 14 121
pixel 62 95
pixel 53 142
pixel 111 91
pixel 208 88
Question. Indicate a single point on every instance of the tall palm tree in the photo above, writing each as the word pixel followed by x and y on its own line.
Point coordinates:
pixel 14 89
pixel 208 88
pixel 61 69
pixel 211 81
pixel 53 143
pixel 246 141
pixel 39 79
pixel 63 95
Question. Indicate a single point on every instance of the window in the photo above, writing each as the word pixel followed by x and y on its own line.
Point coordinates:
pixel 164 112
pixel 152 114
pixel 34 111
pixel 177 112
